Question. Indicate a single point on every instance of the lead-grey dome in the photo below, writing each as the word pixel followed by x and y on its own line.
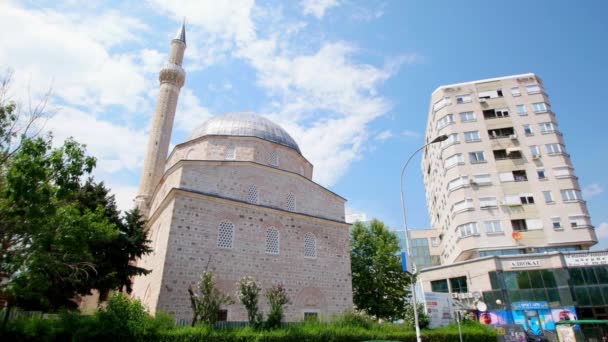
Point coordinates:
pixel 245 125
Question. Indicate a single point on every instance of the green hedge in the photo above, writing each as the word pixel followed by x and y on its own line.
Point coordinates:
pixel 127 320
pixel 324 333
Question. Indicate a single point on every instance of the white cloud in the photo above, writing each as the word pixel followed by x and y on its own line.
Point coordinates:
pixel 411 134
pixel 190 113
pixel 318 8
pixel 124 195
pixel 384 135
pixel 116 147
pixel 592 190
pixel 72 51
pixel 321 96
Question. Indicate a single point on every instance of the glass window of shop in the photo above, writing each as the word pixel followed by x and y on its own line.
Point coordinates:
pixel 589 285
pixel 440 286
pixel 549 286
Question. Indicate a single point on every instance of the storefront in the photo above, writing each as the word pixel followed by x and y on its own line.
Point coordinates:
pixel 534 291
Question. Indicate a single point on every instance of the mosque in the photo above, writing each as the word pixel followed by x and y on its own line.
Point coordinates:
pixel 237 198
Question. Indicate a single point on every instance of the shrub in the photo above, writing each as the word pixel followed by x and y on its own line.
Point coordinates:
pixel 248 295
pixel 277 298
pixel 208 305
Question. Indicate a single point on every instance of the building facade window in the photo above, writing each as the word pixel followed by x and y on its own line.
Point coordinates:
pixel 487 202
pixel 528 130
pixel 571 195
pixel 451 140
pixel 535 151
pixel 533 89
pixel 547 127
pixel 453 160
pixel 539 107
pixel 492 227
pixel 562 172
pixel 541 174
pixel 467 116
pixel 482 179
pixel 253 195
pixel 471 136
pixel 441 103
pixel 440 286
pixel 291 202
pixel 458 183
pixel 578 221
pixel 548 195
pixel 310 245
pixel 468 229
pixel 515 92
pixel 464 205
pixel 477 157
pixel 556 222
pixel 225 234
pixel 444 121
pixel 521 109
pixel 526 199
pixel 466 98
pixel 459 285
pixel 554 148
pixel 272 241
pixel 230 153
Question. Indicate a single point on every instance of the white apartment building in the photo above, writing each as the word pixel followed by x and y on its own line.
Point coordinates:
pixel 503 182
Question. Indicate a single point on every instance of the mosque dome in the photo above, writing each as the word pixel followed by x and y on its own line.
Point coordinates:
pixel 245 125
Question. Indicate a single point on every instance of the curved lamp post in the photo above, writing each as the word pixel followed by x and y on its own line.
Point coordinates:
pixel 405 232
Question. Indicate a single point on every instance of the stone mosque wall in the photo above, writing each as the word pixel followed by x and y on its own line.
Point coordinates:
pixel 319 282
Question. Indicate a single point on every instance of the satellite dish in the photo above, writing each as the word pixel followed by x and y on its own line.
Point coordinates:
pixel 481 306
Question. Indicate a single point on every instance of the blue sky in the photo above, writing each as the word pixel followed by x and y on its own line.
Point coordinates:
pixel 350 80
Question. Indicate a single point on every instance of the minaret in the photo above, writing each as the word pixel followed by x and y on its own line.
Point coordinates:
pixel 171 78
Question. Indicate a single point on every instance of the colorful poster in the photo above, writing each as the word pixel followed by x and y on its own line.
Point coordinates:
pixel 493 317
pixel 564 314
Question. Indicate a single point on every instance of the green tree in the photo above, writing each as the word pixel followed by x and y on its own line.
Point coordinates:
pixel 380 288
pixel 46 238
pixel 113 259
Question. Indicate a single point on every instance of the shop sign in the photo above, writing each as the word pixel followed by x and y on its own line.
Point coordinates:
pixel 586 259
pixel 439 308
pixel 524 263
pixel 529 305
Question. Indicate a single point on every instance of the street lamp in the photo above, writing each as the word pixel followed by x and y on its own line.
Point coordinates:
pixel 406 240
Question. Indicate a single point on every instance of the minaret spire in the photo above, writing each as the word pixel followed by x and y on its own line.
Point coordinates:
pixel 181 33
pixel 172 78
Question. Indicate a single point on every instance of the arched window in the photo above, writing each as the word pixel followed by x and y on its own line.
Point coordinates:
pixel 189 154
pixel 273 159
pixel 291 202
pixel 225 235
pixel 252 194
pixel 310 245
pixel 272 241
pixel 230 153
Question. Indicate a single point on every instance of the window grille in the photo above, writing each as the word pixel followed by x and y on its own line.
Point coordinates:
pixel 273 159
pixel 252 195
pixel 225 235
pixel 310 245
pixel 291 202
pixel 230 153
pixel 272 241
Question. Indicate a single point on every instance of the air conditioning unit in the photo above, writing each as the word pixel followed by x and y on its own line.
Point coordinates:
pixel 482 100
pixel 536 156
pixel 472 182
pixel 513 136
